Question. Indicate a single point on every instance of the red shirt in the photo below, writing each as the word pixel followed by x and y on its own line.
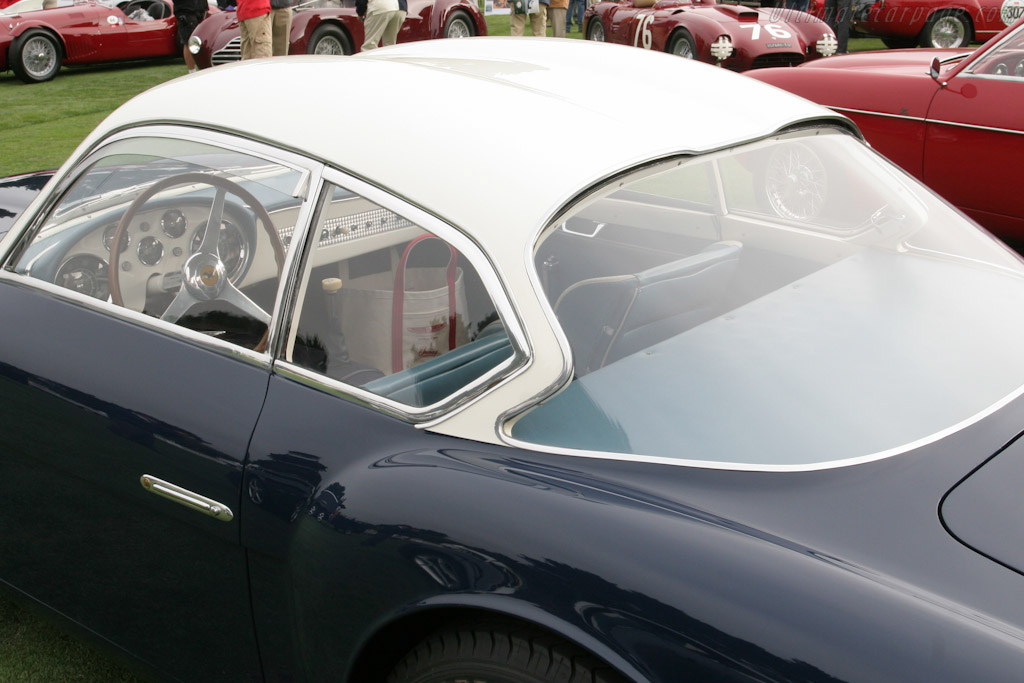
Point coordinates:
pixel 247 9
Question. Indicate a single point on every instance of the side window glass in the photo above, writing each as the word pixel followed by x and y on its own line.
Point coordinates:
pixel 133 230
pixel 386 306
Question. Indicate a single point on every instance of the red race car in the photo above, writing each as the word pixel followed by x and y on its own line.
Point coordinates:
pixel 38 36
pixel 734 36
pixel 327 27
pixel 952 119
pixel 937 23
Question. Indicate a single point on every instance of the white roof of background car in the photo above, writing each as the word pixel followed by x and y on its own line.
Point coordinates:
pixel 494 135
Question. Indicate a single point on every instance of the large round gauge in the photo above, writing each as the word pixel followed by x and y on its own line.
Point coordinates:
pixel 173 223
pixel 231 247
pixel 85 274
pixel 108 238
pixel 151 250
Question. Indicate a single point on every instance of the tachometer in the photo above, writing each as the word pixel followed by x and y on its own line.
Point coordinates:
pixel 85 274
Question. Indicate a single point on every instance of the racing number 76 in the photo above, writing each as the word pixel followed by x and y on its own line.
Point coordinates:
pixel 774 30
pixel 642 35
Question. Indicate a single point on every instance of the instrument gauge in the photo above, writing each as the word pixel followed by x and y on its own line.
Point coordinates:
pixel 231 247
pixel 85 274
pixel 108 238
pixel 151 250
pixel 173 223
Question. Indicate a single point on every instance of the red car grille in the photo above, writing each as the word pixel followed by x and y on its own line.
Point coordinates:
pixel 777 59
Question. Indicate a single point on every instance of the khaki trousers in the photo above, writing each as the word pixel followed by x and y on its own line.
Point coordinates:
pixel 255 33
pixel 538 22
pixel 382 27
pixel 280 29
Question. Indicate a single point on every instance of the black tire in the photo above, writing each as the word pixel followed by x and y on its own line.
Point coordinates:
pixel 498 653
pixel 947 28
pixel 36 56
pixel 595 30
pixel 328 39
pixel 682 44
pixel 459 25
pixel 899 43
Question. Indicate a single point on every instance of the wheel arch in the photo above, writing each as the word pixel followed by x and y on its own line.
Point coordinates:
pixel 384 648
pixel 455 10
pixel 38 26
pixel 677 30
pixel 312 27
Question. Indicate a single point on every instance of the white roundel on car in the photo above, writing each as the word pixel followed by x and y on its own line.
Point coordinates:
pixel 1011 11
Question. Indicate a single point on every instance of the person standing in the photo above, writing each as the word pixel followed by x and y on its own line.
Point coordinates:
pixel 382 19
pixel 187 15
pixel 280 26
pixel 254 27
pixel 538 20
pixel 576 9
pixel 837 16
pixel 556 11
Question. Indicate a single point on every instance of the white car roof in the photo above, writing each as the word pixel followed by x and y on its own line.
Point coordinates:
pixel 439 121
pixel 494 135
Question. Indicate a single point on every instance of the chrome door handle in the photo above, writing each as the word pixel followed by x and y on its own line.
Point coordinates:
pixel 191 500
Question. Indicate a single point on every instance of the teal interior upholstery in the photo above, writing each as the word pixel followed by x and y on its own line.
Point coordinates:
pixel 607 318
pixel 433 381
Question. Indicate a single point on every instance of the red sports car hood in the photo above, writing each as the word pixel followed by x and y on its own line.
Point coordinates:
pixel 914 60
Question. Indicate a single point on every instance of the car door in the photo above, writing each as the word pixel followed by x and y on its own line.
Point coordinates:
pixel 974 138
pixel 154 37
pixel 128 400
pixel 346 395
pixel 89 31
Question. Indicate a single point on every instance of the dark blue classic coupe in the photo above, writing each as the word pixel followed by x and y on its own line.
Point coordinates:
pixel 720 395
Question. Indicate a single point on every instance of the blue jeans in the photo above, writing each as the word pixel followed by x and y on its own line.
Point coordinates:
pixel 576 9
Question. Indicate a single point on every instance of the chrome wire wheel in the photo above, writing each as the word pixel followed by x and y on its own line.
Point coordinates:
pixel 682 45
pixel 40 56
pixel 458 27
pixel 796 183
pixel 946 29
pixel 595 30
pixel 329 45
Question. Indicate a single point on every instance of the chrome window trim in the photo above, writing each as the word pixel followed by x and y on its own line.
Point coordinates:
pixel 847 110
pixel 208 342
pixel 422 418
pixel 756 467
pixel 309 170
pixel 508 418
pixel 940 122
pixel 497 290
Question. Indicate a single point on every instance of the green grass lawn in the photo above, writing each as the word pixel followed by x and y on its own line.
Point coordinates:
pixel 42 125
pixel 32 650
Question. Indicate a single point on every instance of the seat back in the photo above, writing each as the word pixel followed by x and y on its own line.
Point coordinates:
pixel 606 318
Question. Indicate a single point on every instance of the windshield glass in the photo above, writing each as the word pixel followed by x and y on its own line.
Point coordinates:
pixel 1005 59
pixel 791 303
